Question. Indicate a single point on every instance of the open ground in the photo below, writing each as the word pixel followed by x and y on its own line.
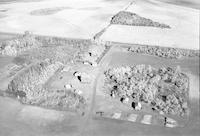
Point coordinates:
pixel 52 78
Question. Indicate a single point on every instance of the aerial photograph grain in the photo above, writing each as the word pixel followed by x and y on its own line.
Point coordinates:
pixel 99 67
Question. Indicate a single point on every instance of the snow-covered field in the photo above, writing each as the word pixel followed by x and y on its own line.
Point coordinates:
pixel 151 36
pixel 84 18
pixel 184 23
pixel 187 3
pixel 77 19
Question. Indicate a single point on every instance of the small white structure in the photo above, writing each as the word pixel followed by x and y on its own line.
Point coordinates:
pixel 68 86
pixel 18 97
pixel 116 115
pixel 65 69
pixel 125 100
pixel 146 119
pixel 78 91
pixel 169 122
pixel 161 113
pixel 86 63
pixel 76 74
pixel 132 117
pixel 94 64
pixel 72 61
pixel 112 95
pixel 137 106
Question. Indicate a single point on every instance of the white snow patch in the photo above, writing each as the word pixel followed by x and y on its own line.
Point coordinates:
pixel 184 23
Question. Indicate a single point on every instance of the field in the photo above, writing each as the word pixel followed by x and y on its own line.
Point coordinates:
pixel 138 26
pixel 71 19
pixel 103 67
pixel 100 110
pixel 188 66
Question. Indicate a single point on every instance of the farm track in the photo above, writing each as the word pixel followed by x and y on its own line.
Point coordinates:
pixel 90 112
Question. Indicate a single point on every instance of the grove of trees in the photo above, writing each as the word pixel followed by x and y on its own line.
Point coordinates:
pixel 164 89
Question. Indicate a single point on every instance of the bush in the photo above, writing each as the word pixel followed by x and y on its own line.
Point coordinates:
pixel 28 87
pixel 165 52
pixel 18 45
pixel 128 18
pixel 57 41
pixel 28 84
